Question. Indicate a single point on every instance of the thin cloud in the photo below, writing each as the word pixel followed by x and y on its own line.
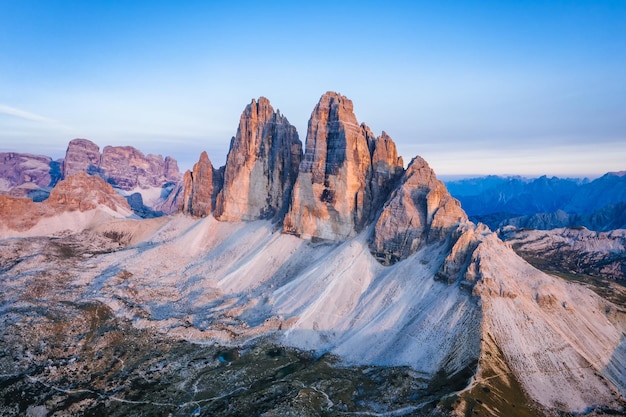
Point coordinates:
pixel 22 114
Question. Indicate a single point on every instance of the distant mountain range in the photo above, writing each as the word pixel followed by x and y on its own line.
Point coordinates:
pixel 544 203
pixel 324 279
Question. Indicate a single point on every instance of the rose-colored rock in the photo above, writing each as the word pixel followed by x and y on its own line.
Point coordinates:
pixel 200 188
pixel 460 263
pixel 420 211
pixel 82 155
pixel 261 167
pixel 84 192
pixel 338 190
pixel 79 192
pixel 19 213
pixel 126 167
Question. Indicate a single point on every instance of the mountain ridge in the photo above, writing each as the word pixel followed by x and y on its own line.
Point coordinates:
pixel 371 262
pixel 544 203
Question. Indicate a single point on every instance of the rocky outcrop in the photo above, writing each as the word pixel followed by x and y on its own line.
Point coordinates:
pixel 261 167
pixel 461 262
pixel 344 176
pixel 200 188
pixel 79 192
pixel 82 155
pixel 171 170
pixel 124 167
pixel 19 213
pixel 571 250
pixel 84 192
pixel 127 168
pixel 387 169
pixel 420 211
pixel 27 175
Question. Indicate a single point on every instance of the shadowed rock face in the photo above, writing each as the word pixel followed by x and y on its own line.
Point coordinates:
pixel 387 169
pixel 345 175
pixel 420 211
pixel 26 175
pixel 261 166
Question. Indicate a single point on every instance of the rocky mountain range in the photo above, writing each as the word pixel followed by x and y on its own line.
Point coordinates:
pixel 148 182
pixel 27 175
pixel 544 203
pixel 322 281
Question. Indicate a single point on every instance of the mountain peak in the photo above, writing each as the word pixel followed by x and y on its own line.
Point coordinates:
pixel 261 165
pixel 420 211
pixel 335 194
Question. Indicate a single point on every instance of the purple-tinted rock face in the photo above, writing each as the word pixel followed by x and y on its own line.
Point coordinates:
pixel 122 166
pixel 82 155
pixel 25 175
pixel 127 168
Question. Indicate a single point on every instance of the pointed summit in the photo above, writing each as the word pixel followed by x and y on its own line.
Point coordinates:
pixel 333 197
pixel 261 166
pixel 200 188
pixel 420 211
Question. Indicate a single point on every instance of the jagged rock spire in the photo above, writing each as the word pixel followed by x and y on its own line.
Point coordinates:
pixel 338 187
pixel 261 166
pixel 200 188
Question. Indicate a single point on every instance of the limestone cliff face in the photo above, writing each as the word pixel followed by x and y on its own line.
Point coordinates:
pixel 85 192
pixel 79 192
pixel 126 167
pixel 171 170
pixel 27 175
pixel 338 186
pixel 200 188
pixel 419 211
pixel 82 155
pixel 261 166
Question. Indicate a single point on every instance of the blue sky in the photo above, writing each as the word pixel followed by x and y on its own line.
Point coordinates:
pixel 475 87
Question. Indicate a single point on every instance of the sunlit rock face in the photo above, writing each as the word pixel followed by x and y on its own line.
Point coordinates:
pixel 445 319
pixel 420 211
pixel 346 172
pixel 261 166
pixel 126 167
pixel 84 192
pixel 130 171
pixel 79 192
pixel 200 187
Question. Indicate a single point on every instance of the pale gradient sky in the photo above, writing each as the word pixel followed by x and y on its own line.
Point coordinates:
pixel 475 87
